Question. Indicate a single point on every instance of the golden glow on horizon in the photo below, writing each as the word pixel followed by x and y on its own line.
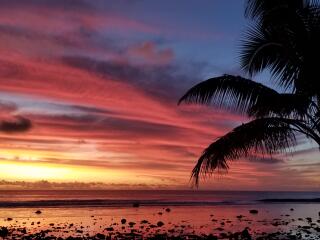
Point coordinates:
pixel 31 165
pixel 26 171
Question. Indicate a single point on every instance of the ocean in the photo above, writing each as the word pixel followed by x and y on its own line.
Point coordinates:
pixel 27 198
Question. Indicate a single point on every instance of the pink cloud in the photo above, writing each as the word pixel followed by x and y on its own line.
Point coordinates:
pixel 148 53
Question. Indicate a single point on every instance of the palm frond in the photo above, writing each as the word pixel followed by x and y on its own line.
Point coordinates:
pixel 281 105
pixel 270 48
pixel 230 92
pixel 267 10
pixel 307 46
pixel 264 135
pixel 284 40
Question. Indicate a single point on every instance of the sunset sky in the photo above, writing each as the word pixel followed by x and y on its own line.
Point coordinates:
pixel 100 80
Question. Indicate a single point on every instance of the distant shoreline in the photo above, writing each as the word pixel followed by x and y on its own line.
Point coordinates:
pixel 131 203
pixel 291 200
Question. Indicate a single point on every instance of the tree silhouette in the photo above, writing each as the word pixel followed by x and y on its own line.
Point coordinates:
pixel 284 38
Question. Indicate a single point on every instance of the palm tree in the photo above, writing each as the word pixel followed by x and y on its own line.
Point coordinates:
pixel 284 39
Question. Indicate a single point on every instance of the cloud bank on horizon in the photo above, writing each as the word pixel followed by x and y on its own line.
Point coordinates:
pixel 97 84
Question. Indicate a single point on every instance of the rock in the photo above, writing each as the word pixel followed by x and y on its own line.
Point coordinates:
pixel 38 212
pixel 291 209
pixel 160 224
pixel 100 236
pixel 3 232
pixel 131 224
pixel 110 229
pixel 309 219
pixel 211 237
pixel 246 235
pixel 168 210
pixel 253 211
pixel 123 221
pixel 144 222
pixel 9 219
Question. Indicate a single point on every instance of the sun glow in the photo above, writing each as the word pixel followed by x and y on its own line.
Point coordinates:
pixel 23 171
pixel 33 171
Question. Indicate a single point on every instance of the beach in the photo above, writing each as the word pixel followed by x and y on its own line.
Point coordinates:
pixel 159 215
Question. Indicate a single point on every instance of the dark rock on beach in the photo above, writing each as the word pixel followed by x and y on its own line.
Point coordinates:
pixel 3 232
pixel 160 224
pixel 245 235
pixel 38 212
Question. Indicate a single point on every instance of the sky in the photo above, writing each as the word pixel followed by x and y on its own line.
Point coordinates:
pixel 89 93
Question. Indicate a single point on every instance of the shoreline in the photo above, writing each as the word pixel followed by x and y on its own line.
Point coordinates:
pixel 137 203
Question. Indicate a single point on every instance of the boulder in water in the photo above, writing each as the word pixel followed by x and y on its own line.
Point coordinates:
pixel 253 211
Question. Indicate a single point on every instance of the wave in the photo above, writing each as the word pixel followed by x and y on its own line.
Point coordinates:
pixel 109 203
pixel 137 203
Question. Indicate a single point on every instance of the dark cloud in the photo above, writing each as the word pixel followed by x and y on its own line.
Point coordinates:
pixel 110 125
pixel 163 81
pixel 20 124
pixel 17 123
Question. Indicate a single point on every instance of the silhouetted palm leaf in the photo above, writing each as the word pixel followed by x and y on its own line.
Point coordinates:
pixel 264 48
pixel 281 105
pixel 232 92
pixel 274 10
pixel 285 44
pixel 265 135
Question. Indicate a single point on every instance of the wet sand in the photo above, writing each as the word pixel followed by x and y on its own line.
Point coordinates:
pixel 256 221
